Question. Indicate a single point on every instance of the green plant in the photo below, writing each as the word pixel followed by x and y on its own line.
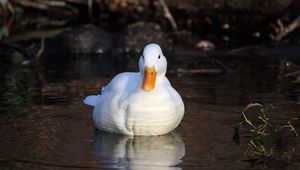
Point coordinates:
pixel 258 151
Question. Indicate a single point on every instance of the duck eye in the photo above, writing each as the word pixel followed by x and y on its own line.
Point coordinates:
pixel 158 56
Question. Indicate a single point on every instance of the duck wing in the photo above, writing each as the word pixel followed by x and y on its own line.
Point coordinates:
pixel 122 83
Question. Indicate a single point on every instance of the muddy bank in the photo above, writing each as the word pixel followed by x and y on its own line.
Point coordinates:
pixel 92 39
pixel 252 20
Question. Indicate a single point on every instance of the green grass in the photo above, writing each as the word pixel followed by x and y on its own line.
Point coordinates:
pixel 259 151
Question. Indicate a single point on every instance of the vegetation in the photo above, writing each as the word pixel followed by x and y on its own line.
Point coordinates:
pixel 260 150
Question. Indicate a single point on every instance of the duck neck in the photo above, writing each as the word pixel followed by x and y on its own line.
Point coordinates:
pixel 160 78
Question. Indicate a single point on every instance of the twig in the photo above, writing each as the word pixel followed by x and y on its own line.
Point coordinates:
pixel 32 4
pixel 9 6
pixel 295 73
pixel 55 3
pixel 90 9
pixel 41 50
pixel 283 31
pixel 48 5
pixel 41 5
pixel 199 71
pixel 168 14
pixel 243 49
pixel 36 34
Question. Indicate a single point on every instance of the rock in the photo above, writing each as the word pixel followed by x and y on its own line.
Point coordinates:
pixel 205 45
pixel 135 36
pixel 82 39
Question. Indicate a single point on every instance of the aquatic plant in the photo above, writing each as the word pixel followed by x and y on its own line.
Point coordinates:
pixel 258 150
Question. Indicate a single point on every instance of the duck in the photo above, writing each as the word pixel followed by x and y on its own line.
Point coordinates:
pixel 139 103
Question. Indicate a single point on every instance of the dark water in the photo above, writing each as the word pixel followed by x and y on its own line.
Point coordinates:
pixel 48 127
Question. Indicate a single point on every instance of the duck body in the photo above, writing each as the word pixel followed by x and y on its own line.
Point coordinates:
pixel 125 108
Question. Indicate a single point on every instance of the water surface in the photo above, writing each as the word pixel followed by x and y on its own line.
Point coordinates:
pixel 49 127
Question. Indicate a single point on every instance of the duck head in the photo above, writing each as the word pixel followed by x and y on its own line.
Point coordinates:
pixel 152 65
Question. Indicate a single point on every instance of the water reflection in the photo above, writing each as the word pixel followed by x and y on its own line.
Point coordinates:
pixel 16 91
pixel 140 152
pixel 83 65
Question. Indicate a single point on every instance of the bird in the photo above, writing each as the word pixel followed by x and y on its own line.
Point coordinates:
pixel 139 103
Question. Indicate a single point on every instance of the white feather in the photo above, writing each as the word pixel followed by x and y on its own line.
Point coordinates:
pixel 124 108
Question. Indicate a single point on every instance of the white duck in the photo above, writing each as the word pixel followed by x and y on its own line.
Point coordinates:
pixel 141 103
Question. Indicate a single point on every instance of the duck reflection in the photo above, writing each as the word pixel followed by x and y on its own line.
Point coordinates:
pixel 140 152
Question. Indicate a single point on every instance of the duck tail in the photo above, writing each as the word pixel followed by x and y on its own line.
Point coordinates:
pixel 91 100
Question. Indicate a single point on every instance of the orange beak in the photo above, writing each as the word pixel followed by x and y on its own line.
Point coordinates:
pixel 149 79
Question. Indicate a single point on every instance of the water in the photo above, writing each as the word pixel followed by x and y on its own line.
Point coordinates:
pixel 50 128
